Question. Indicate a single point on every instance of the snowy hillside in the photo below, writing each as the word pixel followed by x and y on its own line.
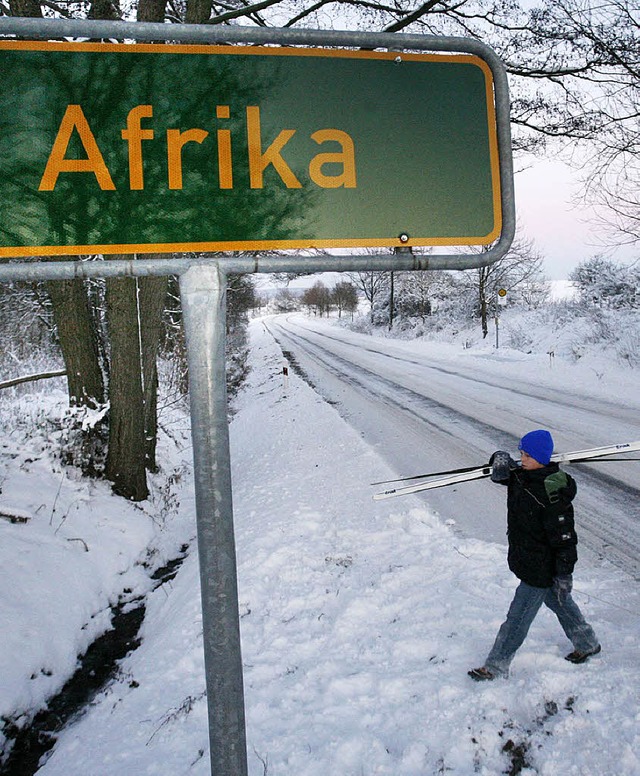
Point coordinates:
pixel 359 619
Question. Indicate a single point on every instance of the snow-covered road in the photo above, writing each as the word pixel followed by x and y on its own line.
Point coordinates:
pixel 426 407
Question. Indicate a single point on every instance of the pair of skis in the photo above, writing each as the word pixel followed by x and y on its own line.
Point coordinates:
pixel 475 473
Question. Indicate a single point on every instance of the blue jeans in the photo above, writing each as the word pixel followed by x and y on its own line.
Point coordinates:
pixel 524 607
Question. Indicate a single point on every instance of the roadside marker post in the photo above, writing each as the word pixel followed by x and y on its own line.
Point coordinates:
pixel 333 169
pixel 501 301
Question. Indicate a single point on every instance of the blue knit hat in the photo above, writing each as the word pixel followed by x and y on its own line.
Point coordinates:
pixel 538 444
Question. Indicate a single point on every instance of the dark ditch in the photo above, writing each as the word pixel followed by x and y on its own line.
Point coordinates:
pixel 96 668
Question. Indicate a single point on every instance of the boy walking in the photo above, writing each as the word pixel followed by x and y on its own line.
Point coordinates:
pixel 542 552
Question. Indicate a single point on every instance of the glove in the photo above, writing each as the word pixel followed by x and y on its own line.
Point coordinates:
pixel 562 586
pixel 501 464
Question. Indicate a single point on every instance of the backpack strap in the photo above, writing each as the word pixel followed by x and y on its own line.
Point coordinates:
pixel 554 484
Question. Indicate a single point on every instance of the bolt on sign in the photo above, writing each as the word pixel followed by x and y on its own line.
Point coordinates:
pixel 113 148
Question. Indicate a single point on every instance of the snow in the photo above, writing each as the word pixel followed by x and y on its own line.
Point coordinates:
pixel 359 619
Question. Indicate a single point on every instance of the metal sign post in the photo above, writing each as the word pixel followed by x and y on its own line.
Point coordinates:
pixel 203 296
pixel 93 169
pixel 501 301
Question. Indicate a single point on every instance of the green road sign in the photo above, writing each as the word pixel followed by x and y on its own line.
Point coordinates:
pixel 113 148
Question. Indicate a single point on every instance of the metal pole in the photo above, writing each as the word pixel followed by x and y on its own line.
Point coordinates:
pixel 203 293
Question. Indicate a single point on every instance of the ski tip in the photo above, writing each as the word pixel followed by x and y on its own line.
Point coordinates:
pixel 384 494
pixel 581 456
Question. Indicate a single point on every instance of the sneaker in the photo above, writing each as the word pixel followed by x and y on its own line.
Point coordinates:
pixel 581 657
pixel 481 674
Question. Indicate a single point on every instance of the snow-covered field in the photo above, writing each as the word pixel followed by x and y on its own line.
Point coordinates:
pixel 359 619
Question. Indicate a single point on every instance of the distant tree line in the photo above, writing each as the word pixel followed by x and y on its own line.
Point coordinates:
pixel 398 297
pixel 320 300
pixel 407 299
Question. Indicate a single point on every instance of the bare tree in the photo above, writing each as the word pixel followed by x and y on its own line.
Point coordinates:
pixel 521 267
pixel 28 330
pixel 317 298
pixel 600 85
pixel 77 331
pixel 345 297
pixel 126 456
pixel 372 284
pixel 285 300
pixel 417 293
pixel 76 327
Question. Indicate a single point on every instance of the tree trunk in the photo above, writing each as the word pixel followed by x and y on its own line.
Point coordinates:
pixel 482 294
pixel 126 458
pixel 152 294
pixel 484 317
pixel 78 341
pixel 104 9
pixel 134 312
pixel 151 10
pixel 29 8
pixel 198 11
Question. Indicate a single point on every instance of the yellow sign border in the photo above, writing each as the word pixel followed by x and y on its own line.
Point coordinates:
pixel 261 245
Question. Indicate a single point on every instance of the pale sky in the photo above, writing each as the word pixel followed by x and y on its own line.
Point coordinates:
pixel 563 232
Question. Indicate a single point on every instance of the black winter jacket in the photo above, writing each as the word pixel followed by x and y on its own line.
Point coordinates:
pixel 540 526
